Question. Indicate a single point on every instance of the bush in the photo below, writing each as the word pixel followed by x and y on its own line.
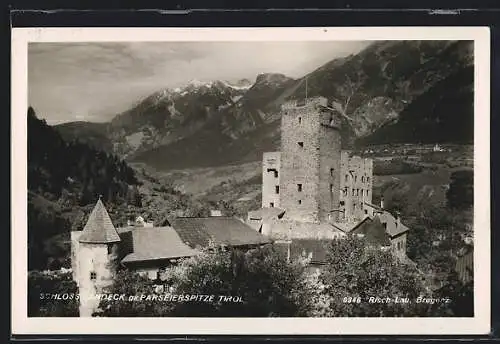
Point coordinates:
pixel 266 282
pixel 52 294
pixel 395 166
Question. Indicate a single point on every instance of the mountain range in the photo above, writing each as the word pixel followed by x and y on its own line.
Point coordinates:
pixel 393 91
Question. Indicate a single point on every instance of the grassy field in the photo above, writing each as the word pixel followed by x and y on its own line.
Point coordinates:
pixel 240 184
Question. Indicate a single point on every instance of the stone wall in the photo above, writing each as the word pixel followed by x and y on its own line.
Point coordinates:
pixel 329 166
pixel 300 160
pixel 356 186
pixel 271 179
pixel 282 229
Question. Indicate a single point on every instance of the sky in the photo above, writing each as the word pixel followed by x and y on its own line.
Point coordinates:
pixel 96 81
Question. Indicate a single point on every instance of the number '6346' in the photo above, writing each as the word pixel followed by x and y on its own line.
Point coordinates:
pixel 350 299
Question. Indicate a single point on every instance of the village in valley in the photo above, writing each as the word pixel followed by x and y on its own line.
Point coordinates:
pixel 316 228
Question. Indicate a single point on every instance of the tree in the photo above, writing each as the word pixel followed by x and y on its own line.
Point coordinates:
pixel 133 284
pixel 459 298
pixel 355 271
pixel 261 283
pixel 460 195
pixel 52 294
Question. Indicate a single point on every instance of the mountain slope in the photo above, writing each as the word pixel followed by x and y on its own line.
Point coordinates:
pixel 444 113
pixel 378 83
pixel 389 82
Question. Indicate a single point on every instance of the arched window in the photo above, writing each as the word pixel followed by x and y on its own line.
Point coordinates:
pixel 346 177
pixel 362 179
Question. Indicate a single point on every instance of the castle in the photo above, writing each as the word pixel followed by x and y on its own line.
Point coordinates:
pixel 312 190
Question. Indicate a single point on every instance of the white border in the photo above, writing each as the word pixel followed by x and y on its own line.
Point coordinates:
pixel 480 324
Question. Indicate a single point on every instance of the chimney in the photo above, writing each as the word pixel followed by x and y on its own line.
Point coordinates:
pixel 215 213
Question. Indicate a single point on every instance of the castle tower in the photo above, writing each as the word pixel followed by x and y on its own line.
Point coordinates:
pixel 94 257
pixel 310 161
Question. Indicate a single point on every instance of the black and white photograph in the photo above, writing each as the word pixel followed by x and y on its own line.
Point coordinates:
pixel 254 178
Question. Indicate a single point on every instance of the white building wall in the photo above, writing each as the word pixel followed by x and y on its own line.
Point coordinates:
pixel 93 259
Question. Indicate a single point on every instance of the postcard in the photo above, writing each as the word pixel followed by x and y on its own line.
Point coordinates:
pixel 251 180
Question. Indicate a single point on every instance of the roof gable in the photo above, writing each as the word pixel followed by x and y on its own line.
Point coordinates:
pixel 394 226
pixel 99 228
pixel 156 243
pixel 217 230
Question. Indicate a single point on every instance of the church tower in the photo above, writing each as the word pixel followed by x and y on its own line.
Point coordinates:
pixel 310 161
pixel 94 257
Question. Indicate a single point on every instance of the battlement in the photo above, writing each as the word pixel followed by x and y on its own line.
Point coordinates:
pixel 309 104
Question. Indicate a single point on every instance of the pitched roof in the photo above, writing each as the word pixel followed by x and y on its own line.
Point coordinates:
pixel 217 230
pixel 155 243
pixel 265 213
pixel 99 228
pixel 394 225
pixel 374 232
pixel 348 227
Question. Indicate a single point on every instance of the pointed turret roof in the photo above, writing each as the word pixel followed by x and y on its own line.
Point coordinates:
pixel 99 228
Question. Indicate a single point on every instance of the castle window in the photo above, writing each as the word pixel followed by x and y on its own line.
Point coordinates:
pixel 301 144
pixel 110 249
pixel 93 276
pixel 299 187
pixel 367 179
pixel 353 191
pixel 277 189
pixel 366 211
pixel 355 179
pixel 361 192
pixel 275 174
pixel 362 179
pixel 331 172
pixel 346 177
pixel 271 204
pixel 342 202
pixel 300 120
pixel 300 201
pixel 346 190
pixel 331 187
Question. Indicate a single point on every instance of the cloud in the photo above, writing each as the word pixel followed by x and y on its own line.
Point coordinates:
pixel 95 81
